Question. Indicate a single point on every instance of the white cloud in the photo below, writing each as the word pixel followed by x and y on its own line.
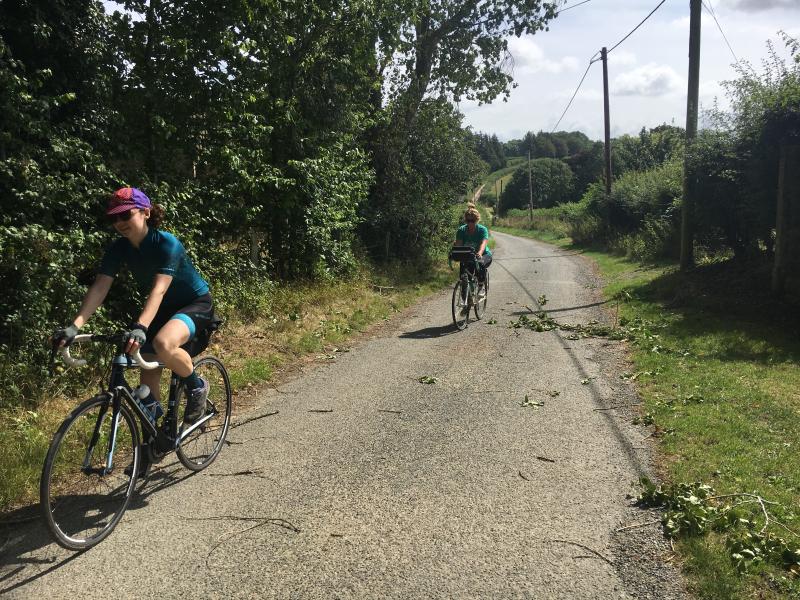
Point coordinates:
pixel 648 80
pixel 682 23
pixel 530 58
pixel 583 94
pixel 711 89
pixel 622 58
pixel 760 5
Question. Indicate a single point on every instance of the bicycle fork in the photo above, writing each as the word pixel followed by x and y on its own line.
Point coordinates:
pixel 116 414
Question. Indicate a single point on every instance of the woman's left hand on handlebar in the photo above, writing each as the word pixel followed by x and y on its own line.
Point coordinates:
pixel 135 337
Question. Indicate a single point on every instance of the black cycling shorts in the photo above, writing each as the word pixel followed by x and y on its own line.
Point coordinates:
pixel 197 317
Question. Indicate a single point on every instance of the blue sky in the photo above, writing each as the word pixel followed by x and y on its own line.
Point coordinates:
pixel 647 73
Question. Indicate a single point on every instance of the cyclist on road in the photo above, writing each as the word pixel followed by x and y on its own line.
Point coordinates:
pixel 178 303
pixel 476 236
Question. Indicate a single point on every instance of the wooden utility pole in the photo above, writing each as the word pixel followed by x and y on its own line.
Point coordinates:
pixel 607 113
pixel 497 204
pixel 692 101
pixel 530 189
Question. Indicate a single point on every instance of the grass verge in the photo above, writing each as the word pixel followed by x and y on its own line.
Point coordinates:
pixel 310 321
pixel 718 375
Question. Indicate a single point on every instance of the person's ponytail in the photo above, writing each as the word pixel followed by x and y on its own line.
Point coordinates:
pixel 156 216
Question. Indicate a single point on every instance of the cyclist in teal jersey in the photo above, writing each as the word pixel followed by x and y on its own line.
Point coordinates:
pixel 476 236
pixel 178 301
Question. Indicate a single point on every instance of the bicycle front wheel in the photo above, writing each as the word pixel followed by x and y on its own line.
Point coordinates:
pixel 482 298
pixel 203 445
pixel 461 304
pixel 82 496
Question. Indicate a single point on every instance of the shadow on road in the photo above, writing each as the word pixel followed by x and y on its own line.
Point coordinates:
pixel 561 255
pixel 28 552
pixel 557 310
pixel 429 332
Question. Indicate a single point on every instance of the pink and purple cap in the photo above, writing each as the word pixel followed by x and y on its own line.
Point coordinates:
pixel 127 198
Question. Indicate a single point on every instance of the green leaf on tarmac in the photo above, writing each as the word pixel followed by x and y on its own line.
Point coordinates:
pixel 527 403
pixel 427 379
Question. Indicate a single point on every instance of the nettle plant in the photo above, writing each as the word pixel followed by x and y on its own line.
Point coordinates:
pixel 747 522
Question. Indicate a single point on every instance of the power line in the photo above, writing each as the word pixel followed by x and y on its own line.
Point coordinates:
pixel 573 6
pixel 637 27
pixel 724 37
pixel 585 73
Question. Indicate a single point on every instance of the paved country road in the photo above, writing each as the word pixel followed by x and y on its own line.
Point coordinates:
pixel 404 490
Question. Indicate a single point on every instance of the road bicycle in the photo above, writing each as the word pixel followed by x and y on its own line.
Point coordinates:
pixel 468 293
pixel 91 468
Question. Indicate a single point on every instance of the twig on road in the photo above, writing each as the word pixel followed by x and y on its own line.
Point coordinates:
pixel 239 443
pixel 593 551
pixel 249 472
pixel 251 419
pixel 230 535
pixel 525 477
pixel 618 406
pixel 545 459
pixel 394 412
pixel 320 410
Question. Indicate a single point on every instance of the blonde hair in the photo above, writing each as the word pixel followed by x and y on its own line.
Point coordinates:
pixel 472 212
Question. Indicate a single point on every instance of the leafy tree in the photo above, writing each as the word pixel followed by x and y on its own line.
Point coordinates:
pixel 490 150
pixel 437 168
pixel 513 148
pixel 553 183
pixel 588 166
pixel 436 49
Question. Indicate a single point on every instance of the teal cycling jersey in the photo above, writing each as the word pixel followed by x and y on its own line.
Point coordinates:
pixel 159 252
pixel 473 240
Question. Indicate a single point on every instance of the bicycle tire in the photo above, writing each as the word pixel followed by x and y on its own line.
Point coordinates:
pixel 198 451
pixel 460 312
pixel 54 480
pixel 480 305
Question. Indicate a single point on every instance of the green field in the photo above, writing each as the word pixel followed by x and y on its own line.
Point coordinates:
pixel 502 174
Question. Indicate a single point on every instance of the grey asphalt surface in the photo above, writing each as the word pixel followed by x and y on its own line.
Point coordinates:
pixel 403 490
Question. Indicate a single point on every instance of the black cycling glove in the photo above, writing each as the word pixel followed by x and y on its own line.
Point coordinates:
pixel 65 334
pixel 137 333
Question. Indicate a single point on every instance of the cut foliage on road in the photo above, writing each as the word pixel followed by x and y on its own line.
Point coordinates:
pixel 716 361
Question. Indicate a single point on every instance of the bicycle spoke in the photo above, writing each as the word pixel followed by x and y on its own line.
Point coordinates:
pixel 201 446
pixel 83 502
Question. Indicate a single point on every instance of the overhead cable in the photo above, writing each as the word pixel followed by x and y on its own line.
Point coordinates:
pixel 589 66
pixel 637 27
pixel 571 7
pixel 710 10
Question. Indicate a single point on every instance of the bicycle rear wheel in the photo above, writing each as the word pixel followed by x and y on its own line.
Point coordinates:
pixel 461 306
pixel 82 501
pixel 480 302
pixel 203 445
